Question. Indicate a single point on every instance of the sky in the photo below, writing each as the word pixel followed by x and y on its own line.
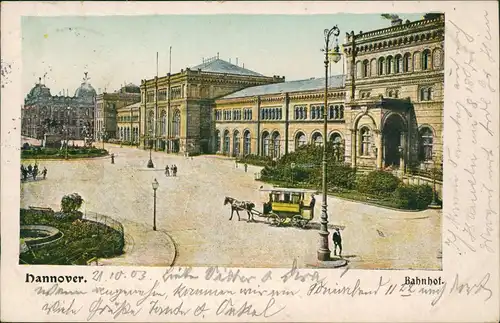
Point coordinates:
pixel 122 49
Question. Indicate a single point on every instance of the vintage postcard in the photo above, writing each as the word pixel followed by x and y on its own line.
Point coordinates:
pixel 250 161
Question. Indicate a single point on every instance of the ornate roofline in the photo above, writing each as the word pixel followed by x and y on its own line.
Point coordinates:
pixel 403 28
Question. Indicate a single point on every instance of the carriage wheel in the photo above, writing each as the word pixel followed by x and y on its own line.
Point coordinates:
pixel 274 219
pixel 296 219
pixel 303 223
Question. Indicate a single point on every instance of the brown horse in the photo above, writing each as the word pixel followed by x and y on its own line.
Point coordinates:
pixel 240 206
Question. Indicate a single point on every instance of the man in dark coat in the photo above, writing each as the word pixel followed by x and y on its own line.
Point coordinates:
pixel 337 241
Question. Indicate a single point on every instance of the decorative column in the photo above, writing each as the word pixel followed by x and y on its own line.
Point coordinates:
pixel 379 145
pixel 353 147
pixel 402 163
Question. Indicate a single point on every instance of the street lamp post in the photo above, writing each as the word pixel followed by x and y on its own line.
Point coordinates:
pixel 103 133
pixel 434 203
pixel 324 251
pixel 155 185
pixel 150 161
pixel 67 131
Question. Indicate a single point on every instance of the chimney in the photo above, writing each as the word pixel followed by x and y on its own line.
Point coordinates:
pixel 243 65
pixel 229 60
pixel 396 22
pixel 237 61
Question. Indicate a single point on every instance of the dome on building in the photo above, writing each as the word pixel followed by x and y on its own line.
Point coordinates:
pixel 39 90
pixel 85 90
pixel 130 88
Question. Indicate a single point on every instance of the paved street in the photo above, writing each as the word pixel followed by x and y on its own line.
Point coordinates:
pixel 190 208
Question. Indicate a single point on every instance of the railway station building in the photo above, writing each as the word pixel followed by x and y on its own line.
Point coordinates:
pixel 387 110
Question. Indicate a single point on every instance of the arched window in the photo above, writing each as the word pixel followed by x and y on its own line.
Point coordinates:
pixel 176 124
pixel 217 141
pixel 300 140
pixel 390 94
pixel 426 141
pixel 163 123
pixel 331 112
pixel 407 63
pixel 304 113
pixel 313 113
pixel 336 140
pixel 381 66
pixel 236 143
pixel 225 148
pixel 426 57
pixel 341 112
pixel 247 144
pixel 366 136
pixel 265 144
pixel 366 64
pixel 276 145
pixel 396 94
pixel 150 128
pixel 398 63
pixel 389 64
pixel 317 139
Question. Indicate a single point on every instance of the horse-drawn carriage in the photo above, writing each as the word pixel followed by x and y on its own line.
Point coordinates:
pixel 282 206
pixel 289 206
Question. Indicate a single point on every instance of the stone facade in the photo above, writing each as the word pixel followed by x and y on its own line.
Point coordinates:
pixel 388 113
pixel 70 116
pixel 176 110
pixel 128 123
pixel 107 106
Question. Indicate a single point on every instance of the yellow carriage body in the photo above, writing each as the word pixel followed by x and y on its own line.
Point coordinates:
pixel 290 202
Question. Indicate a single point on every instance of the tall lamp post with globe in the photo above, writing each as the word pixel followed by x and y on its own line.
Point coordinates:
pixel 155 186
pixel 335 56
pixel 150 161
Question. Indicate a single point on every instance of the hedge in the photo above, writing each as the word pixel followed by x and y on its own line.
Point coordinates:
pixel 379 183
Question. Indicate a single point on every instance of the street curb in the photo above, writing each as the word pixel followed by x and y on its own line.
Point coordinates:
pixel 172 241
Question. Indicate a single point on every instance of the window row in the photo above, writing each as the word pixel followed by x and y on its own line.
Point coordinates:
pixel 271 113
pixel 234 114
pixel 125 135
pixel 127 118
pixel 335 112
pixel 162 124
pixel 399 63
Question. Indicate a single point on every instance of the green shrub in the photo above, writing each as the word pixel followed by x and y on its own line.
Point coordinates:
pixel 71 203
pixel 378 183
pixel 413 197
pixel 341 176
pixel 423 196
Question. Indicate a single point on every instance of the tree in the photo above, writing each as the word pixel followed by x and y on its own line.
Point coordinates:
pixel 71 203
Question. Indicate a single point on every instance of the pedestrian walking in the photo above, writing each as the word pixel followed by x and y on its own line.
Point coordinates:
pixel 337 242
pixel 167 171
pixel 112 158
pixel 174 168
pixel 30 169
pixel 44 172
pixel 35 173
pixel 246 167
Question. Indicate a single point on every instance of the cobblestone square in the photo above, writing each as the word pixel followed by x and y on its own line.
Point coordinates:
pixel 190 210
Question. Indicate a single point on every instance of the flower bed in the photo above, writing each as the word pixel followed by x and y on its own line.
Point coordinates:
pixel 82 240
pixel 56 153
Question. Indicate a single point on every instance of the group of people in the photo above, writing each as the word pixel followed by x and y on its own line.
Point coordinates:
pixel 172 170
pixel 245 165
pixel 32 171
